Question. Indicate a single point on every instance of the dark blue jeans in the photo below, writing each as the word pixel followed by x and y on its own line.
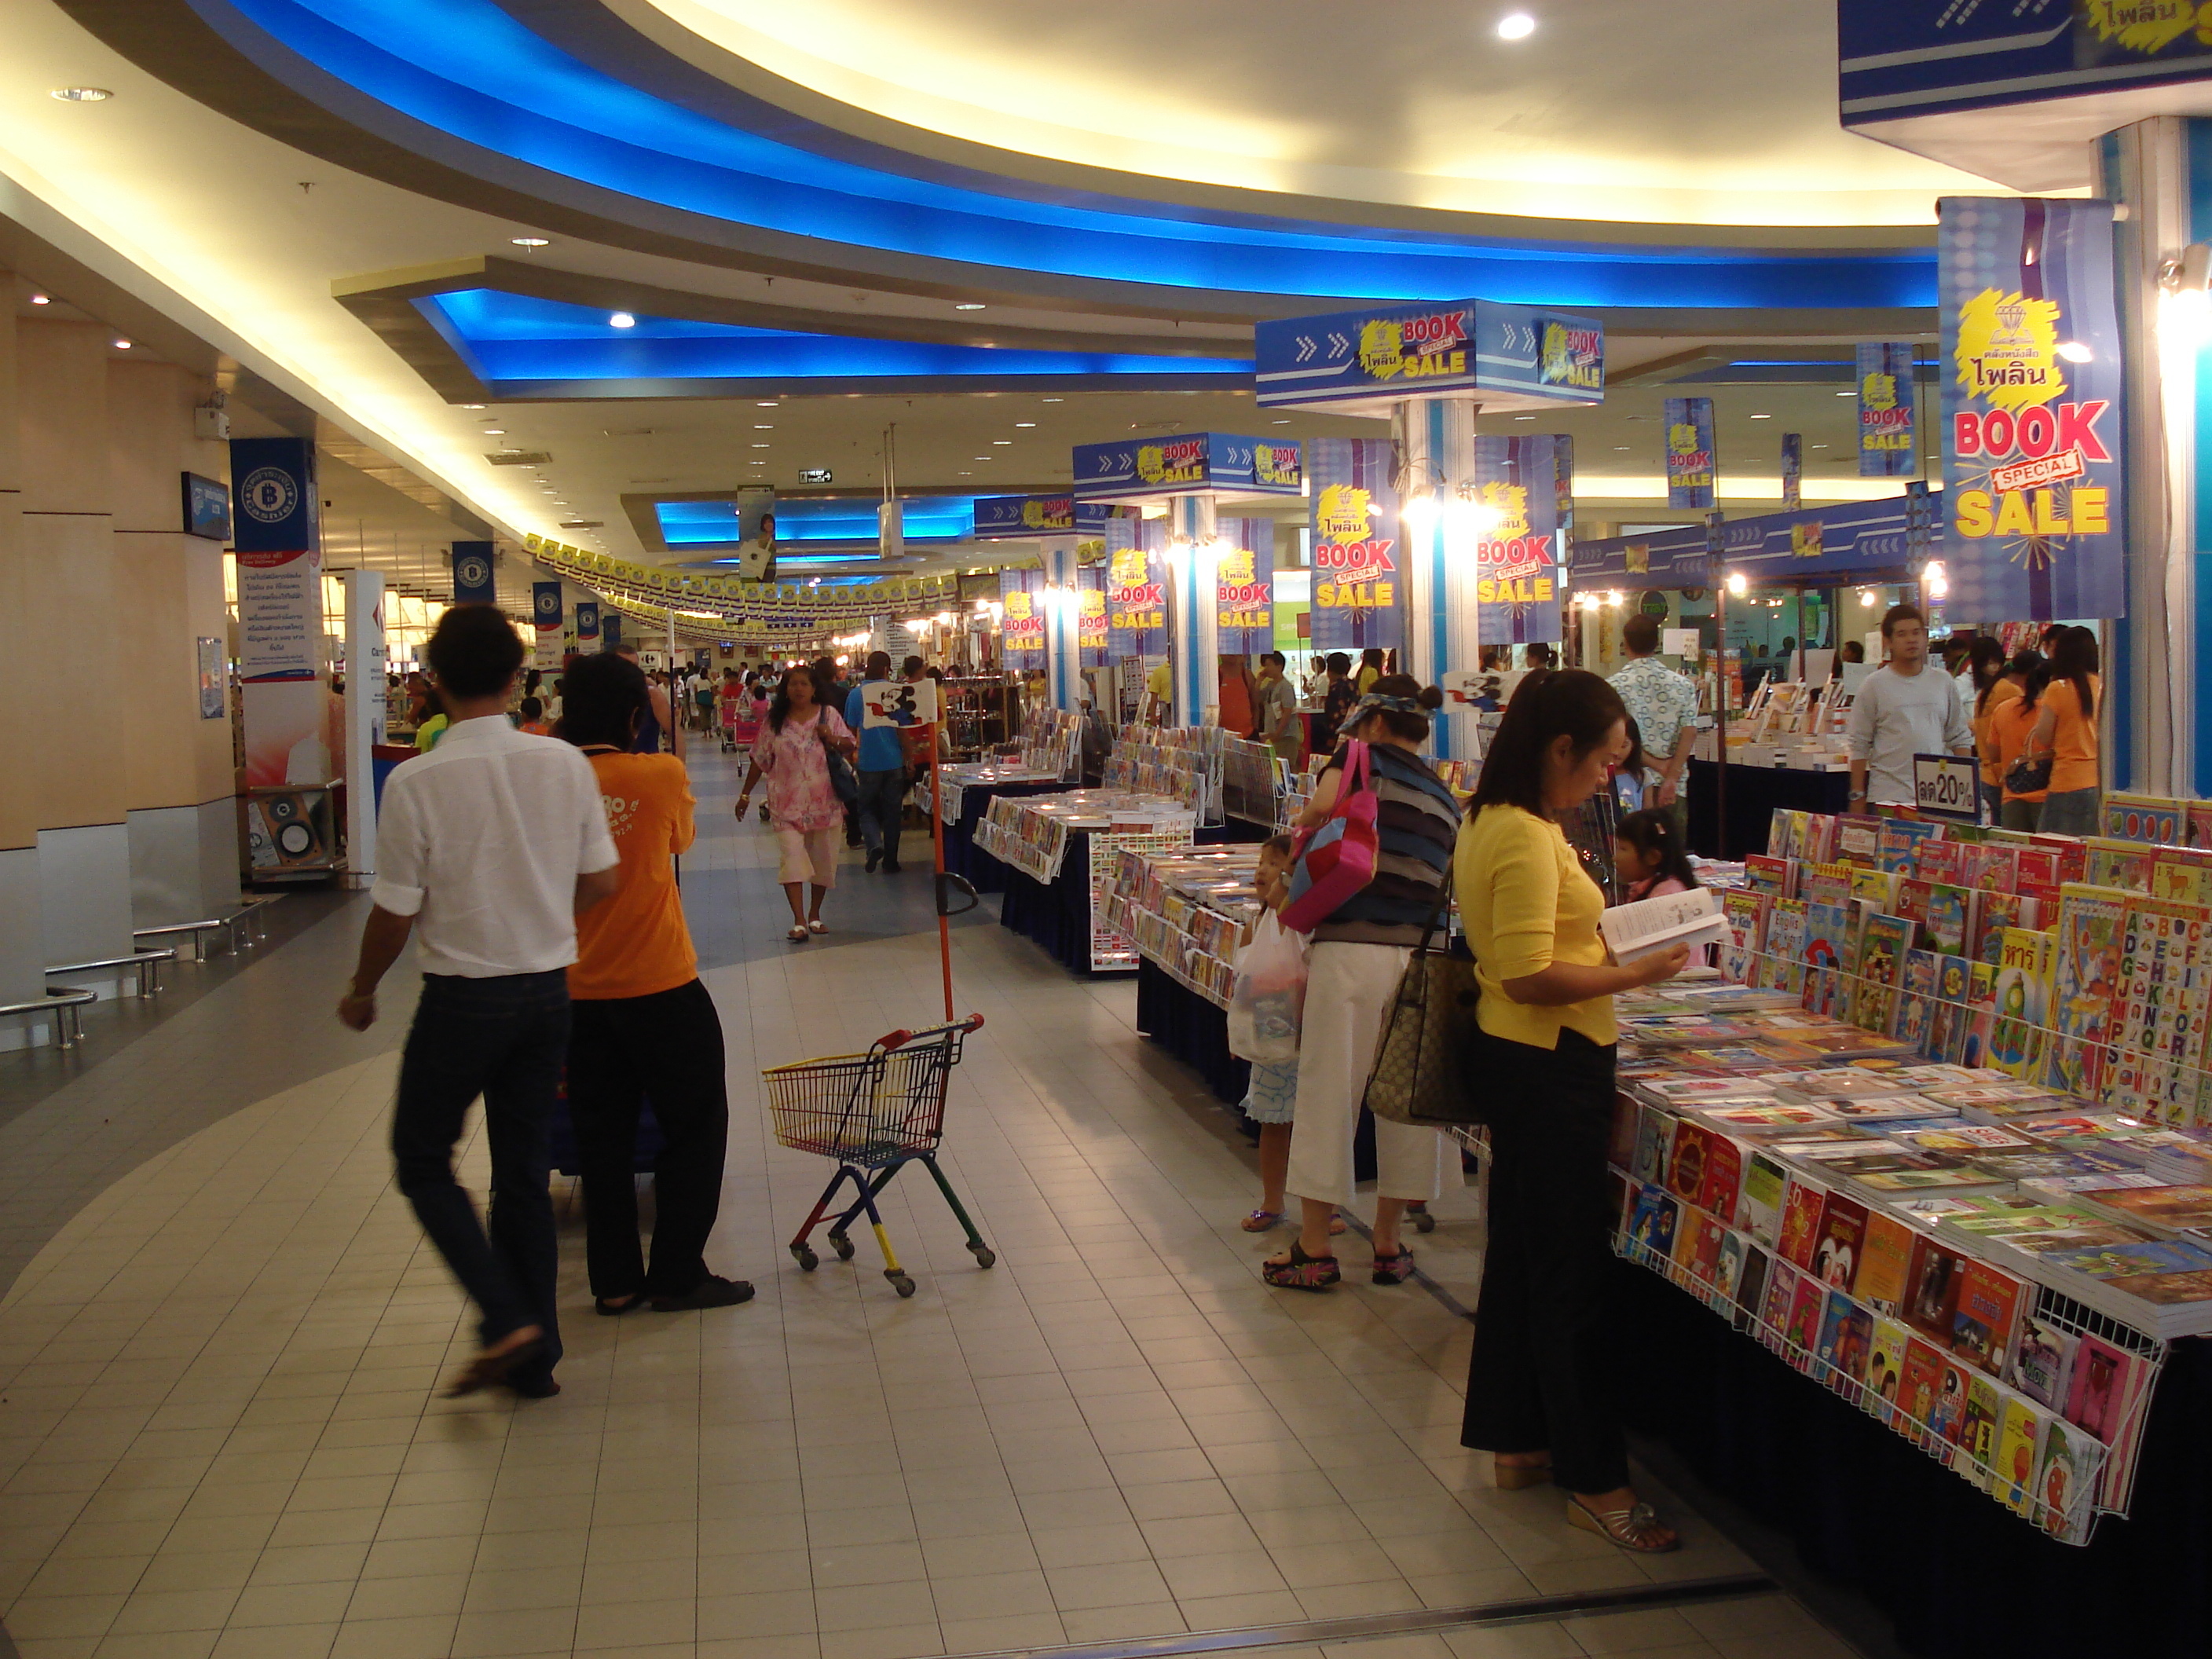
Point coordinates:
pixel 504 1039
pixel 883 801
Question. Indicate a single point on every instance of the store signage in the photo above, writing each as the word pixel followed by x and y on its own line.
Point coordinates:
pixel 1688 432
pixel 1244 586
pixel 1137 588
pixel 1000 517
pixel 610 630
pixel 1021 623
pixel 473 582
pixel 1516 558
pixel 1093 638
pixel 1516 357
pixel 1888 441
pixel 1793 471
pixel 547 612
pixel 814 475
pixel 1358 548
pixel 2033 452
pixel 207 507
pixel 274 507
pixel 1947 786
pixel 1199 462
pixel 588 619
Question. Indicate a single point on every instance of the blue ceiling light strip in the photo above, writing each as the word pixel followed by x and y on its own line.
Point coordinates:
pixel 802 521
pixel 467 69
pixel 506 338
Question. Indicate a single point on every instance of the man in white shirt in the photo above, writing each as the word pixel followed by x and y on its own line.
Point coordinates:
pixel 1903 708
pixel 489 847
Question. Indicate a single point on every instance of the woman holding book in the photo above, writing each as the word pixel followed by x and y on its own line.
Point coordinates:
pixel 1541 1384
pixel 2065 734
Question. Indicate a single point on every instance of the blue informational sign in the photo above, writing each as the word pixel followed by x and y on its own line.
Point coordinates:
pixel 1197 463
pixel 1691 465
pixel 545 605
pixel 1902 58
pixel 272 490
pixel 999 518
pixel 588 619
pixel 1245 591
pixel 610 629
pixel 1515 356
pixel 1857 540
pixel 473 582
pixel 1517 560
pixel 1358 546
pixel 1889 441
pixel 1793 471
pixel 2033 458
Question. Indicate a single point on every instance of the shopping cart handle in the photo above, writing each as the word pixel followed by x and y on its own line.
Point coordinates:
pixel 893 1040
pixel 946 885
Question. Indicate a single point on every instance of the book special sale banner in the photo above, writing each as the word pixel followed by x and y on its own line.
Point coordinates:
pixel 1517 560
pixel 2032 457
pixel 1359 548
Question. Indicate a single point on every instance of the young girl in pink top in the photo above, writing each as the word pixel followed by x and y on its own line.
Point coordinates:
pixel 1647 851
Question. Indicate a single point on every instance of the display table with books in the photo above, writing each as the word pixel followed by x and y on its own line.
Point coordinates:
pixel 968 791
pixel 1754 792
pixel 1057 850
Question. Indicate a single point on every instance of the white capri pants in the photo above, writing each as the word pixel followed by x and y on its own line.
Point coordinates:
pixel 1348 988
pixel 806 855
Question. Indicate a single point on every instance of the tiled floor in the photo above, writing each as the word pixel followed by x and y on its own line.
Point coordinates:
pixel 218 1434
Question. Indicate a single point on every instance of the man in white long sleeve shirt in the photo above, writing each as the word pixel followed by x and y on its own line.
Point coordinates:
pixel 1903 708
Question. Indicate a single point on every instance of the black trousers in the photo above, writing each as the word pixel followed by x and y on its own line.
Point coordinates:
pixel 501 1038
pixel 1545 1373
pixel 667 1048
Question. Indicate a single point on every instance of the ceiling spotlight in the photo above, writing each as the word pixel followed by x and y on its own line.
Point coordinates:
pixel 622 319
pixel 40 299
pixel 968 305
pixel 122 344
pixel 1621 449
pixel 967 475
pixel 83 95
pixel 1515 26
pixel 532 241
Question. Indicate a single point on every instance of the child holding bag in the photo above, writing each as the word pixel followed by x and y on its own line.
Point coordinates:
pixel 1264 1012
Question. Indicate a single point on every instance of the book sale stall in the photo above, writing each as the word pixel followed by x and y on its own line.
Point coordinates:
pixel 1057 849
pixel 1922 1180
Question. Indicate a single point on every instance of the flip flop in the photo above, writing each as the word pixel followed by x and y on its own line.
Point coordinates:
pixel 798 935
pixel 1261 1221
pixel 818 927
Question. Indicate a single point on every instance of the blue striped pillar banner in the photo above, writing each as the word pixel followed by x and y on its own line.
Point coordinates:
pixel 1062 607
pixel 1193 609
pixel 1435 442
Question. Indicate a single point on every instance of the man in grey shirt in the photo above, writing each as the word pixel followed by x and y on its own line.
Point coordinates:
pixel 1903 708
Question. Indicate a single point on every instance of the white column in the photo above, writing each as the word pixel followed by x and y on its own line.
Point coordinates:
pixel 364 718
pixel 1063 670
pixel 1436 448
pixel 1194 610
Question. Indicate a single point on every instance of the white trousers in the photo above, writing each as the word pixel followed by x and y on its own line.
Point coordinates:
pixel 1348 988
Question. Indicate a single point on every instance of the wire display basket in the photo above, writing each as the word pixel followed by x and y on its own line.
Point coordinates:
pixel 867 1110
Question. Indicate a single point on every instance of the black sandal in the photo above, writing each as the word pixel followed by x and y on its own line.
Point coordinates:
pixel 1302 1272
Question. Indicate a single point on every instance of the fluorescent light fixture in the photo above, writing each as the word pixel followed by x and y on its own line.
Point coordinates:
pixel 1024 422
pixel 765 403
pixel 83 95
pixel 530 241
pixel 494 431
pixel 622 319
pixel 1002 440
pixel 1056 400
pixel 760 446
pixel 1515 26
pixel 1853 393
pixel 968 305
pixel 1762 418
pixel 763 426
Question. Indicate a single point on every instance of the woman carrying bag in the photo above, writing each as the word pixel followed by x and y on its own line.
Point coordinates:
pixel 1359 953
pixel 794 752
pixel 1540 1386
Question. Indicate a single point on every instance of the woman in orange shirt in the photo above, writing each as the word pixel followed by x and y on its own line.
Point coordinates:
pixel 2007 727
pixel 2067 733
pixel 642 1024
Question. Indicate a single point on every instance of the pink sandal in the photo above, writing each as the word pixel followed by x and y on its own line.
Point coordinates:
pixel 1302 1272
pixel 1394 1269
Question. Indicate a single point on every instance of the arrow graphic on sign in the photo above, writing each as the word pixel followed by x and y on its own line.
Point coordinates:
pixel 1305 348
pixel 1338 344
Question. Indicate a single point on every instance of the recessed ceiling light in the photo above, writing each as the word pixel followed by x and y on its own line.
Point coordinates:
pixel 1762 418
pixel 765 403
pixel 967 305
pixel 622 319
pixel 1282 422
pixel 1847 394
pixel 1002 440
pixel 1024 422
pixel 1524 417
pixel 1820 445
pixel 83 95
pixel 1515 26
pixel 1619 448
pixel 967 475
pixel 122 344
pixel 763 426
pixel 472 405
pixel 532 241
pixel 40 299
pixel 1056 400
pixel 760 446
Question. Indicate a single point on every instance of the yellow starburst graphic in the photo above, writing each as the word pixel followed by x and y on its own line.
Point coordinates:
pixel 2007 356
pixel 1130 568
pixel 1381 349
pixel 1236 567
pixel 1879 391
pixel 2145 26
pixel 1151 462
pixel 1346 513
pixel 1509 505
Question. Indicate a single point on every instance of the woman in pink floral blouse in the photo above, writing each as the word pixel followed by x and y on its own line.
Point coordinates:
pixel 793 752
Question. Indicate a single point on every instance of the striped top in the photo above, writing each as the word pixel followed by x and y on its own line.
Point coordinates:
pixel 1416 819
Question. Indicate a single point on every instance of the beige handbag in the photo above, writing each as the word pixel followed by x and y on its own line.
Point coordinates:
pixel 1425 1057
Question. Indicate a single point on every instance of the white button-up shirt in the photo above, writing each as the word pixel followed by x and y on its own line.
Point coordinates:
pixel 482 840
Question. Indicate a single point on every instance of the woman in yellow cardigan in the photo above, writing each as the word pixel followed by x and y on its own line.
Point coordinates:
pixel 1540 1386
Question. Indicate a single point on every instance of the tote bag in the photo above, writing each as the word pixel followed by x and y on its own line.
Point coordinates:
pixel 1432 1047
pixel 1337 860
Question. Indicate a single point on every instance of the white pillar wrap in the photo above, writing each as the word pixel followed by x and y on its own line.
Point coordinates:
pixel 1436 448
pixel 364 717
pixel 1194 610
pixel 1063 670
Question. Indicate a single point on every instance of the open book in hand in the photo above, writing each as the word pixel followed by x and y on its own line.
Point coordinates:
pixel 1633 932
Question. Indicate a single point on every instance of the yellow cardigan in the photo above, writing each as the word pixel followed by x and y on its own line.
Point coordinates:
pixel 1526 903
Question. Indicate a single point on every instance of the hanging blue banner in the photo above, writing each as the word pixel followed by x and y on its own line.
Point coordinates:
pixel 1136 587
pixel 274 506
pixel 1793 471
pixel 588 619
pixel 1133 469
pixel 1000 517
pixel 1093 639
pixel 1358 546
pixel 1517 562
pixel 1245 586
pixel 545 608
pixel 1021 619
pixel 610 630
pixel 473 582
pixel 1888 440
pixel 1362 362
pixel 2033 461
pixel 1691 465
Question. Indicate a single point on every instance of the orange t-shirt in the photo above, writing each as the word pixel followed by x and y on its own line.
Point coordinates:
pixel 2000 694
pixel 2074 739
pixel 2009 722
pixel 635 944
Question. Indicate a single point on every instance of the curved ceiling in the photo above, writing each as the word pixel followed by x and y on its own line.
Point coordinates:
pixel 1726 115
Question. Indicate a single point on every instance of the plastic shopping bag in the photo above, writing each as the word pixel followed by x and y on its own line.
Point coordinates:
pixel 1268 1005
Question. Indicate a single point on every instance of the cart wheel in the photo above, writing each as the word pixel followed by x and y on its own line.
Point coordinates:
pixel 804 1256
pixel 901 1283
pixel 1423 1221
pixel 842 1245
pixel 984 1254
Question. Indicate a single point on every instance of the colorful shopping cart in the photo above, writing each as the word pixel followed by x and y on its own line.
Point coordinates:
pixel 874 1113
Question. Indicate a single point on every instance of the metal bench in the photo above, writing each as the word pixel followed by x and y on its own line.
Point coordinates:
pixel 146 964
pixel 62 1005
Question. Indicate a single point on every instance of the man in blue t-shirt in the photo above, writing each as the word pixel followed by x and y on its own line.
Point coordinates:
pixel 883 772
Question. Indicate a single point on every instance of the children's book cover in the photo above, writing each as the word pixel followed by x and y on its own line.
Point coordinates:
pixel 1723 1177
pixel 1728 1266
pixel 1652 1224
pixel 2020 1436
pixel 1952 1388
pixel 2043 1364
pixel 2016 1035
pixel 1885 1262
pixel 1981 1327
pixel 1876 887
pixel 1825 883
pixel 1980 1023
pixel 1919 1389
pixel 1900 841
pixel 1916 1003
pixel 1781 1281
pixel 1886 1368
pixel 1881 957
pixel 1745 913
pixel 1842 1240
pixel 1751 1288
pixel 2085 976
pixel 1827 941
pixel 1944 861
pixel 1764 874
pixel 1931 1297
pixel 1977 1433
pixel 1801 1334
pixel 1801 1210
pixel 1759 1196
pixel 1686 1161
pixel 1858 840
pixel 1701 1251
pixel 2102 1389
pixel 1655 1137
pixel 1784 967
pixel 1994 914
pixel 2068 1473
